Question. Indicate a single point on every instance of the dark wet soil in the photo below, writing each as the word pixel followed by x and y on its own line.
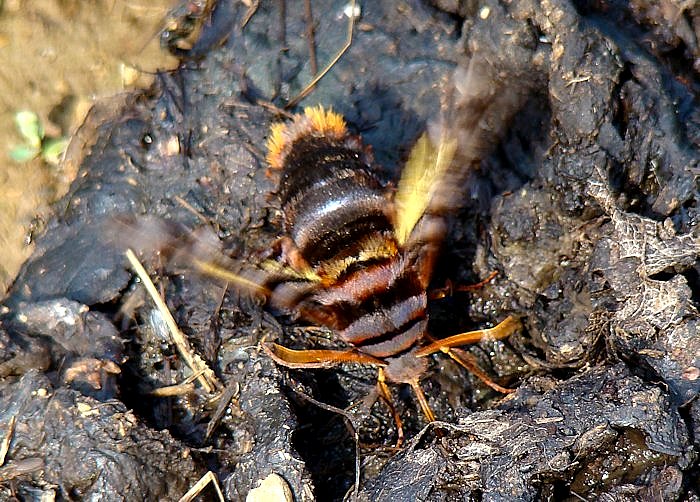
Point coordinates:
pixel 587 207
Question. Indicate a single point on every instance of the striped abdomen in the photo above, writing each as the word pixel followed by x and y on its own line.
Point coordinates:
pixel 338 216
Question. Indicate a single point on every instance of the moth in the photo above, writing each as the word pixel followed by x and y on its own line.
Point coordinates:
pixel 355 256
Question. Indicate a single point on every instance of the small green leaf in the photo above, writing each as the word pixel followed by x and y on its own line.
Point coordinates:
pixel 52 150
pixel 23 153
pixel 29 126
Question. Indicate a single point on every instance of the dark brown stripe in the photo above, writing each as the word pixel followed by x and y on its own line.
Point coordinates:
pixel 317 185
pixel 337 218
pixel 312 159
pixel 399 343
pixel 363 284
pixel 381 322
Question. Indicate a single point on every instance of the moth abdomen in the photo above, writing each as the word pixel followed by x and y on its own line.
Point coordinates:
pixel 361 257
pixel 330 198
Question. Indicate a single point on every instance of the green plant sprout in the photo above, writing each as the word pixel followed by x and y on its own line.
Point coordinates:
pixel 36 143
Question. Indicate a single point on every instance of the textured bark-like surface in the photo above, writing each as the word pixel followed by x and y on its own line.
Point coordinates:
pixel 587 207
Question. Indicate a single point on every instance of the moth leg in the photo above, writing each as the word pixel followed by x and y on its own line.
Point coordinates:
pixel 448 289
pixel 466 361
pixel 305 359
pixel 385 395
pixel 502 330
pixel 447 345
pixel 424 406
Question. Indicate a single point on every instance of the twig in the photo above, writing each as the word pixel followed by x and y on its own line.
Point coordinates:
pixel 179 389
pixel 206 378
pixel 191 209
pixel 310 38
pixel 197 488
pixel 252 9
pixel 272 107
pixel 227 396
pixel 348 42
pixel 5 445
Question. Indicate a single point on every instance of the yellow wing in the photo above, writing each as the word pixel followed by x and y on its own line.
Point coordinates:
pixel 422 175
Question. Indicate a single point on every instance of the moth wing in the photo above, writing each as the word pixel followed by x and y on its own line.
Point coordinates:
pixel 182 249
pixel 423 177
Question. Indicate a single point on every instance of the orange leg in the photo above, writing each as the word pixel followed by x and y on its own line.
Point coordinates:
pixel 301 359
pixel 385 394
pixel 448 345
pixel 448 289
pixel 422 401
pixel 466 361
pixel 502 330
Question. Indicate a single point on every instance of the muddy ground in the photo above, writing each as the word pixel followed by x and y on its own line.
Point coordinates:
pixel 587 207
pixel 58 56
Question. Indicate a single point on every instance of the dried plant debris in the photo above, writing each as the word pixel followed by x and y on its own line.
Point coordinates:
pixel 88 449
pixel 655 319
pixel 595 433
pixel 587 208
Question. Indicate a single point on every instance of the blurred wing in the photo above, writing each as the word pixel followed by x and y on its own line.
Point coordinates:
pixel 239 281
pixel 421 178
pixel 476 111
pixel 199 251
